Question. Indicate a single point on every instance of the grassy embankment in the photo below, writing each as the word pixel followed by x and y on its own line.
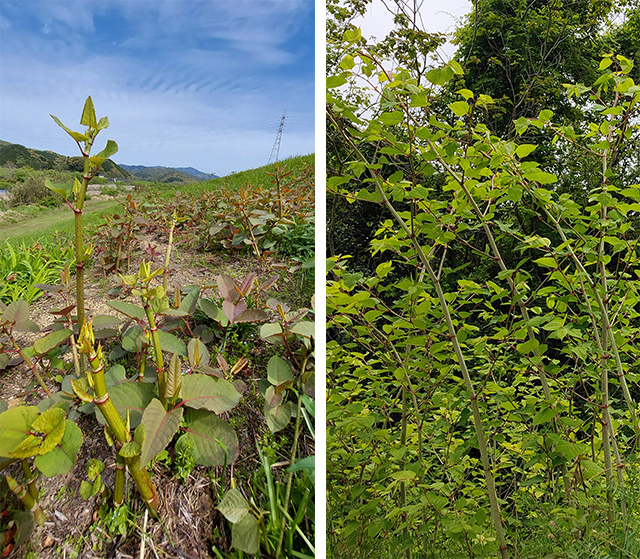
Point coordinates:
pixel 32 223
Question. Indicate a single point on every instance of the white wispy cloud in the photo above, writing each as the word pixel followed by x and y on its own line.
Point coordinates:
pixel 185 83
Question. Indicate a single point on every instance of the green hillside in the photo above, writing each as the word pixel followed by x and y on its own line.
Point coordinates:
pixel 17 155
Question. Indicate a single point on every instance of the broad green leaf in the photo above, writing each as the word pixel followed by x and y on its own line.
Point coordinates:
pixel 347 62
pixel 540 176
pixel 210 393
pixel 252 315
pixel 110 149
pixel 279 371
pixel 209 436
pixel 54 339
pixel 77 136
pixel 64 190
pixel 16 313
pixel 133 397
pixel 245 535
pixel 62 458
pixel 172 344
pixel 160 427
pixel 103 123
pixel 440 76
pixel 47 431
pixel 14 427
pixel 277 412
pixel 547 261
pixel 271 332
pixel 335 81
pixel 130 449
pixel 544 415
pixel 308 463
pixel 89 114
pixel 524 150
pixel 127 309
pixel 459 108
pixel 213 311
pixel 233 506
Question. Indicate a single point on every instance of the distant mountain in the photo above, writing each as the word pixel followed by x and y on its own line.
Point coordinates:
pixel 167 174
pixel 16 155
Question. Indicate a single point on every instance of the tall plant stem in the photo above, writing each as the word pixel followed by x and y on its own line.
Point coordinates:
pixel 30 504
pixel 28 361
pixel 606 324
pixel 157 348
pixel 122 435
pixel 517 296
pixel 29 478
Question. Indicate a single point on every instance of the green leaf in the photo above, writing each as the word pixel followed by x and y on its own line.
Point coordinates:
pixel 245 535
pixel 213 311
pixel 459 108
pixel 64 190
pixel 440 76
pixel 133 397
pixel 47 431
pixel 86 490
pixel 130 449
pixel 160 426
pixel 127 309
pixel 50 341
pixel 103 123
pixel 540 176
pixel 546 261
pixel 524 150
pixel 110 149
pixel 172 344
pixel 198 353
pixel 77 136
pixel 213 394
pixel 545 415
pixel 277 412
pixel 347 62
pixel 528 346
pixel 279 371
pixel 62 458
pixel 174 378
pixel 233 506
pixel 308 463
pixel 206 432
pixel 335 81
pixel 89 114
pixel 16 313
pixel 14 427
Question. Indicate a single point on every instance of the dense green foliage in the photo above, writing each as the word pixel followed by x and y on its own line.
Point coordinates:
pixel 482 378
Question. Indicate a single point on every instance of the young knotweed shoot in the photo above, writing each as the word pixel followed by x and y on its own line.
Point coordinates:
pixel 75 195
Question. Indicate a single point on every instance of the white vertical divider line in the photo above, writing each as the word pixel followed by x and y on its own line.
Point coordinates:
pixel 320 283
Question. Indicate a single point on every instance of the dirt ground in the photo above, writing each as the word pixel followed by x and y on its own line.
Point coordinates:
pixel 188 514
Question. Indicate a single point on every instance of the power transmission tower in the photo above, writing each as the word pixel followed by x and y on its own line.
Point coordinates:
pixel 275 151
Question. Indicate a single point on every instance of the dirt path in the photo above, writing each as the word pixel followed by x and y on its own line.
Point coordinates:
pixel 58 219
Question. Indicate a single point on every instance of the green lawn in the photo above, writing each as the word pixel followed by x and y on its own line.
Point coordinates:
pixel 35 222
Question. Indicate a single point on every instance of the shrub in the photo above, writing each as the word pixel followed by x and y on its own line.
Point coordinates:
pixel 33 191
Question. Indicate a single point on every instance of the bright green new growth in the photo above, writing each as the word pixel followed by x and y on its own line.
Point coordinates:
pixel 79 190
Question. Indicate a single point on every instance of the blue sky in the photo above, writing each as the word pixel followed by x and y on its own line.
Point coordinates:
pixel 199 83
